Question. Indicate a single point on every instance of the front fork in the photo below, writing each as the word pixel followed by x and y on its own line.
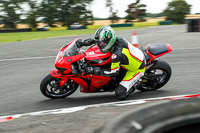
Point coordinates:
pixel 56 74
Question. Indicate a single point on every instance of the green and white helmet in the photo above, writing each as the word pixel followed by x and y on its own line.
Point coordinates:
pixel 105 38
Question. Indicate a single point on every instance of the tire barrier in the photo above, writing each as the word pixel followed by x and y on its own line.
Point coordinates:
pixel 193 25
pixel 97 26
pixel 16 30
pixel 77 27
pixel 168 22
pixel 41 29
pixel 166 117
pixel 146 24
pixel 94 26
pixel 58 29
pixel 121 25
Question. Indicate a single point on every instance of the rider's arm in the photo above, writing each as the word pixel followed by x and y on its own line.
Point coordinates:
pixel 103 72
pixel 80 43
pixel 115 66
pixel 113 71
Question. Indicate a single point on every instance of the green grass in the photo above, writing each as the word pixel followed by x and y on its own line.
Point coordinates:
pixel 22 36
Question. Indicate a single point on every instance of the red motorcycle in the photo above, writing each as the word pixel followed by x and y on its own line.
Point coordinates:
pixel 70 64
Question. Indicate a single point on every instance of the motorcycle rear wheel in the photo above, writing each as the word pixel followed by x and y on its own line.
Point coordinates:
pixel 50 87
pixel 155 77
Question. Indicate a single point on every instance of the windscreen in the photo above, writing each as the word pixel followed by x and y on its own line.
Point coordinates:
pixel 71 50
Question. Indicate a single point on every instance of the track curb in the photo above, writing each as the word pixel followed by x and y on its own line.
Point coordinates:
pixel 79 108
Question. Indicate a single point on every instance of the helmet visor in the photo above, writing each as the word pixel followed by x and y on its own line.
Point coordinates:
pixel 102 44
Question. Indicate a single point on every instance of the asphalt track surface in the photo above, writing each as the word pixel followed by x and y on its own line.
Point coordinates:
pixel 24 64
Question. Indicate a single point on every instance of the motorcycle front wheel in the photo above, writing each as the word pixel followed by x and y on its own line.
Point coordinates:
pixel 155 77
pixel 50 87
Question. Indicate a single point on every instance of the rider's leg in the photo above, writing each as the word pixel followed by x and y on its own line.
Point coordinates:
pixel 128 82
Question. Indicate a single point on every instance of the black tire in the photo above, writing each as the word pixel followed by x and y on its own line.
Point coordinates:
pixel 178 116
pixel 166 70
pixel 50 87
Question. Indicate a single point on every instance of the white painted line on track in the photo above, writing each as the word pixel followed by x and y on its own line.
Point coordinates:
pixel 190 48
pixel 27 58
pixel 79 108
pixel 47 57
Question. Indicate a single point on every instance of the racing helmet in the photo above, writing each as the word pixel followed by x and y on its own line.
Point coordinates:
pixel 105 38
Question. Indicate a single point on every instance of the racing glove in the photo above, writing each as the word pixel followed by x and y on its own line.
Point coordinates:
pixel 96 71
pixel 80 43
pixel 88 42
pixel 93 70
pixel 89 70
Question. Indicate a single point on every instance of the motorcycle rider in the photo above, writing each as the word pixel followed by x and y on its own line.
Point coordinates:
pixel 123 54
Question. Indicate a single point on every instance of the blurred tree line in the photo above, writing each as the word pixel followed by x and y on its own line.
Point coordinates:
pixel 31 12
pixel 113 14
pixel 8 14
pixel 154 15
pixel 67 12
pixel 176 11
pixel 136 11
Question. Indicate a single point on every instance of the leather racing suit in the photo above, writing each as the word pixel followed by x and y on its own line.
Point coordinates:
pixel 125 55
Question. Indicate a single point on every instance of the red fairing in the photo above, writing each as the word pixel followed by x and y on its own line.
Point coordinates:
pixel 96 82
pixel 82 82
pixel 56 74
pixel 89 83
pixel 96 57
pixel 156 56
pixel 66 62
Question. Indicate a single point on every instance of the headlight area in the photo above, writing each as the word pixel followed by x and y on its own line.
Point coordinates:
pixel 59 56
